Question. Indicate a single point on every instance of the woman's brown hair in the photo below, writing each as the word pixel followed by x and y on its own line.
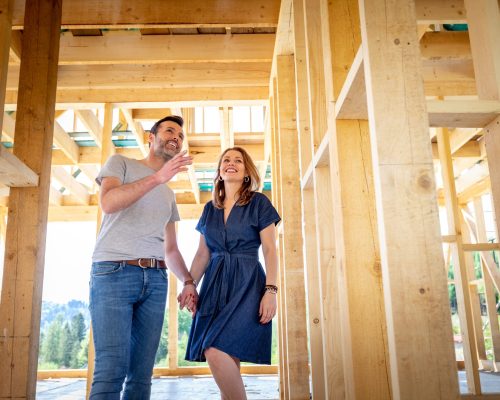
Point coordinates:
pixel 247 188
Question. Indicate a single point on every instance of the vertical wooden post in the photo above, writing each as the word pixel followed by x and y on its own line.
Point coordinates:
pixel 276 189
pixel 489 288
pixel 422 361
pixel 107 150
pixel 6 7
pixel 298 369
pixel 483 20
pixel 474 305
pixel 20 307
pixel 173 319
pixel 357 248
pixel 3 224
pixel 318 338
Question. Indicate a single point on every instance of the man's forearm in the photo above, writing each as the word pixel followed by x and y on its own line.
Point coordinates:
pixel 176 264
pixel 123 196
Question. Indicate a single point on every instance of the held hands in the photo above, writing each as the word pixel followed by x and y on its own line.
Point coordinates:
pixel 188 298
pixel 176 164
pixel 267 309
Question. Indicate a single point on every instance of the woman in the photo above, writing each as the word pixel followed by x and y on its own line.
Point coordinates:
pixel 237 301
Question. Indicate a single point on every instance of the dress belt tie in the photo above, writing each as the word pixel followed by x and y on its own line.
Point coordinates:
pixel 218 294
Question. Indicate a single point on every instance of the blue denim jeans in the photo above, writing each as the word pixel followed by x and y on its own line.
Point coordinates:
pixel 127 307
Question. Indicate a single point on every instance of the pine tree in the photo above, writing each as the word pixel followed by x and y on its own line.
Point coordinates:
pixel 78 327
pixel 66 346
pixel 50 345
pixel 161 353
pixel 82 357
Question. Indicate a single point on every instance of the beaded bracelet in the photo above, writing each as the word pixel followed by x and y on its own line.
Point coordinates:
pixel 271 289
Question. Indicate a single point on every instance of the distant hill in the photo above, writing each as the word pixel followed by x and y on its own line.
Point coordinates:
pixel 51 310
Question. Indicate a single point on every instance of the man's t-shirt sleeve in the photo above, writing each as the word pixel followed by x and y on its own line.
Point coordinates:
pixel 114 167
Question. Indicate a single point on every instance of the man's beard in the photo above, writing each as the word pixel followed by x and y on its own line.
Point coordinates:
pixel 161 152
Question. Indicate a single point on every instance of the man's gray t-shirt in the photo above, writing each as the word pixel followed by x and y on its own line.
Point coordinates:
pixel 138 231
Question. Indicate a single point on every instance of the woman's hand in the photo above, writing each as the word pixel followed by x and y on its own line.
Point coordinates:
pixel 268 306
pixel 188 298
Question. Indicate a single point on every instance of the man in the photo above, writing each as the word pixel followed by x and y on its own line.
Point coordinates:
pixel 128 283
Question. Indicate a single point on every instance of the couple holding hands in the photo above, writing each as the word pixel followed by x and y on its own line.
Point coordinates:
pixel 236 302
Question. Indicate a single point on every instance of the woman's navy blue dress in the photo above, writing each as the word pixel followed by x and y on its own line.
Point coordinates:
pixel 233 284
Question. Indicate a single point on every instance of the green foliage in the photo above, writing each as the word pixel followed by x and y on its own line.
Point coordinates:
pixel 64 344
pixel 64 340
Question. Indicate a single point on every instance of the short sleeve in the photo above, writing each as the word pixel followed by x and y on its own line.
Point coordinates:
pixel 200 226
pixel 174 216
pixel 267 213
pixel 114 167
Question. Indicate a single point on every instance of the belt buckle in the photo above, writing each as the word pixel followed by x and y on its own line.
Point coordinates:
pixel 151 263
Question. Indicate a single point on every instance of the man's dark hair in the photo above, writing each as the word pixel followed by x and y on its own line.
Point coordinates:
pixel 174 118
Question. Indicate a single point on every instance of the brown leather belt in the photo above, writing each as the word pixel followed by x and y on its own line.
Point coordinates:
pixel 147 263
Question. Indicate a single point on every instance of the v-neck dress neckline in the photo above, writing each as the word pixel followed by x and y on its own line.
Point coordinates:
pixel 224 222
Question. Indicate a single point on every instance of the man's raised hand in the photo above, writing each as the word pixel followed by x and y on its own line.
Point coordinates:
pixel 177 164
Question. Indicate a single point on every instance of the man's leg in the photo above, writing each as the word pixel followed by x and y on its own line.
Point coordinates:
pixel 112 294
pixel 147 322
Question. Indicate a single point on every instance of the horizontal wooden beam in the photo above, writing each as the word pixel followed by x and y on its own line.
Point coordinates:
pixel 442 77
pixel 89 212
pixel 161 371
pixel 159 76
pixel 159 13
pixel 134 98
pixel 211 139
pixel 13 172
pixel 442 11
pixel 202 155
pixel 471 149
pixel 462 113
pixel 150 114
pixel 130 47
pixel 351 104
pixel 481 246
pixel 445 45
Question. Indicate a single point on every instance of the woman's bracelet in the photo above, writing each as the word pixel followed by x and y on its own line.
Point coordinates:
pixel 190 282
pixel 271 289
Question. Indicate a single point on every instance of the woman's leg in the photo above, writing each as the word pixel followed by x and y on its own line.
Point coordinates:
pixel 226 372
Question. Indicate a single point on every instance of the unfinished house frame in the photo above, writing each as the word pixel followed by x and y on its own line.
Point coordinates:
pixel 378 114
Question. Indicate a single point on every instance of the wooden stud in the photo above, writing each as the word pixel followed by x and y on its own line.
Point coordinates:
pixel 487 263
pixel 298 370
pixel 475 306
pixel 276 195
pixel 20 306
pixel 107 150
pixel 6 8
pixel 320 340
pixel 354 215
pixel 404 192
pixel 173 321
pixel 459 265
pixel 483 20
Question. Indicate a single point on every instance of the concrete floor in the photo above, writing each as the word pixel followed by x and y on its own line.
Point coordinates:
pixel 258 387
